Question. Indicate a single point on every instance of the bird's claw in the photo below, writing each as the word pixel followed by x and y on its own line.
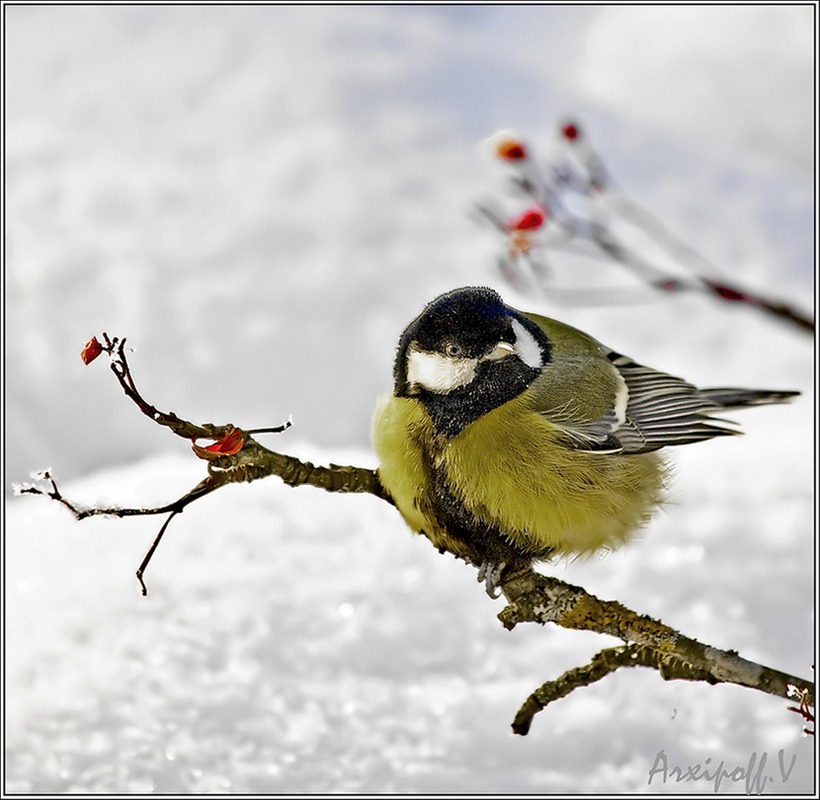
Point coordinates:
pixel 489 574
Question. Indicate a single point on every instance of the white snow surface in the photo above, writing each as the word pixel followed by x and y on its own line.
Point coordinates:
pixel 260 198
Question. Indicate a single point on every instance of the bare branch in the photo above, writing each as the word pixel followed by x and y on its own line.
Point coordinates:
pixel 241 460
pixel 119 366
pixel 601 665
pixel 202 488
pixel 582 173
pixel 538 598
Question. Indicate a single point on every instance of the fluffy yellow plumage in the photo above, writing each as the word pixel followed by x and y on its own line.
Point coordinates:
pixel 515 479
pixel 511 437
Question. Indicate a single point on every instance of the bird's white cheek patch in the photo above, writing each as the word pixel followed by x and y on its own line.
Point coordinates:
pixel 437 373
pixel 529 351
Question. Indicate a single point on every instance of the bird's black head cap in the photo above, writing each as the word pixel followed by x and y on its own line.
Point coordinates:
pixel 474 320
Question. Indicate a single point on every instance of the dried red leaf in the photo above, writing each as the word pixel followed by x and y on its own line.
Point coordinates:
pixel 91 350
pixel 529 220
pixel 232 442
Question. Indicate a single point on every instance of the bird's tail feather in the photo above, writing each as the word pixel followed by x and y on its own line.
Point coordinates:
pixel 743 398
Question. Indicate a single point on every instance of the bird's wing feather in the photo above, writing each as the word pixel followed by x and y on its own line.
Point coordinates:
pixel 663 410
pixel 580 391
pixel 605 402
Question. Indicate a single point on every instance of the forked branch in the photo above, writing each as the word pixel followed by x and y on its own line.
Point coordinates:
pixel 539 598
pixel 235 457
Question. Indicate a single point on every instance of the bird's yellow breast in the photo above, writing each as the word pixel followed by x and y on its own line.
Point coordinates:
pixel 510 471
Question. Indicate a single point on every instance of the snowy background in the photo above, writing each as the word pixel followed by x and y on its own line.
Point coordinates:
pixel 260 198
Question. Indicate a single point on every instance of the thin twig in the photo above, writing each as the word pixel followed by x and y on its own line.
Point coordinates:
pixel 183 428
pixel 144 564
pixel 602 664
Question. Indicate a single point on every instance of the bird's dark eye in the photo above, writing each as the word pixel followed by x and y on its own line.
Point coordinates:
pixel 453 350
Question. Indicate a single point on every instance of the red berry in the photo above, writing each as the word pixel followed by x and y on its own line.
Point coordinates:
pixel 529 220
pixel 728 293
pixel 511 150
pixel 571 132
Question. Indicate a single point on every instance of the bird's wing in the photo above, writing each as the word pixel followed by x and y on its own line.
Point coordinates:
pixel 643 409
pixel 604 402
pixel 586 410
pixel 663 410
pixel 579 390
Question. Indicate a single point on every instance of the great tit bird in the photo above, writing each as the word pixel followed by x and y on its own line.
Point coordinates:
pixel 511 438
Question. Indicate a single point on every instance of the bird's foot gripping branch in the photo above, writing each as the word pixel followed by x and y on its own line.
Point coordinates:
pixel 234 456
